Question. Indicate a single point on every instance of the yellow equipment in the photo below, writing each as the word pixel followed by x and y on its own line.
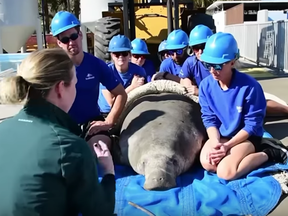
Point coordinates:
pixel 151 21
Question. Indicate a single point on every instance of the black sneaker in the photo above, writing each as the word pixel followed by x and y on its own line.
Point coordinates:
pixel 275 150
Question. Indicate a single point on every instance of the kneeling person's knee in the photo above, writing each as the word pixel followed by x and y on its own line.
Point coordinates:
pixel 206 164
pixel 209 167
pixel 226 173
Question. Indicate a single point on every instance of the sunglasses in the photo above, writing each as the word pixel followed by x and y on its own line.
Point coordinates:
pixel 66 40
pixel 217 67
pixel 178 52
pixel 139 56
pixel 198 47
pixel 118 54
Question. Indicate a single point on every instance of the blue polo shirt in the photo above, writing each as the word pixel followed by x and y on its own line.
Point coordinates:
pixel 90 73
pixel 125 79
pixel 149 69
pixel 194 70
pixel 170 66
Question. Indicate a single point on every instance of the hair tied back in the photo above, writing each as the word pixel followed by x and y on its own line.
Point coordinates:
pixel 13 90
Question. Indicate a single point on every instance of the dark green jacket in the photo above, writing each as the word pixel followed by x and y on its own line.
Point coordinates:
pixel 46 169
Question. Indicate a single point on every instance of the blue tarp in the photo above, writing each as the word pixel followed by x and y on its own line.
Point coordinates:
pixel 199 192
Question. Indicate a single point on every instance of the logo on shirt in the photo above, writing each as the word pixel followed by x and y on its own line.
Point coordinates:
pixel 239 109
pixel 89 77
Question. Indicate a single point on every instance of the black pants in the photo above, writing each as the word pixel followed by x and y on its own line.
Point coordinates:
pixel 256 141
pixel 86 126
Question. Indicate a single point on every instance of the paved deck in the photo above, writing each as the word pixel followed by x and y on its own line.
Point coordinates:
pixel 278 129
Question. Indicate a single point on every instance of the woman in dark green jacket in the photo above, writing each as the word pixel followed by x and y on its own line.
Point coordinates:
pixel 45 167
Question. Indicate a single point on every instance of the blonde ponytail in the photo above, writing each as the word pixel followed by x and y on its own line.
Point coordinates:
pixel 36 75
pixel 13 90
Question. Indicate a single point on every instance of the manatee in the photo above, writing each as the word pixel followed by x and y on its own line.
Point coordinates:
pixel 160 133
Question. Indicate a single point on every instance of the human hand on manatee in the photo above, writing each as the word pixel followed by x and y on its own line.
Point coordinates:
pixel 141 81
pixel 192 89
pixel 97 126
pixel 217 153
pixel 137 81
pixel 104 158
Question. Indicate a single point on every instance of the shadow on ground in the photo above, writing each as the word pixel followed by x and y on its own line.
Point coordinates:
pixel 261 73
pixel 278 130
pixel 246 65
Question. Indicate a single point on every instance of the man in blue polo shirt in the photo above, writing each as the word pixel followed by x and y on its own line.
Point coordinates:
pixel 90 71
pixel 177 43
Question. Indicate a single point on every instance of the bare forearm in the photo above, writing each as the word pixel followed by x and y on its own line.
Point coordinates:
pixel 240 137
pixel 129 88
pixel 116 109
pixel 213 133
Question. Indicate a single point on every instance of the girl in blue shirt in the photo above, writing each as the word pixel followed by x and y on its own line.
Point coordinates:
pixel 233 108
pixel 139 57
pixel 130 75
pixel 193 70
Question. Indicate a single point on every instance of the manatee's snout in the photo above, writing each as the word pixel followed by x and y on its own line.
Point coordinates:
pixel 159 180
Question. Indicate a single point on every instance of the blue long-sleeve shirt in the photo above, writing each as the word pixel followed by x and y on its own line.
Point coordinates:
pixel 149 69
pixel 242 106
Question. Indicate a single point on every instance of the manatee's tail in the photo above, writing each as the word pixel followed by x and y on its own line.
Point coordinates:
pixel 155 87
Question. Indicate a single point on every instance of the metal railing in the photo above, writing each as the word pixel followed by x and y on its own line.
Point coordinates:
pixel 265 44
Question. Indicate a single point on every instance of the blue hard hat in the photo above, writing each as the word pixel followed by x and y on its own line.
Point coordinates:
pixel 220 48
pixel 62 21
pixel 119 43
pixel 139 47
pixel 177 39
pixel 199 35
pixel 162 46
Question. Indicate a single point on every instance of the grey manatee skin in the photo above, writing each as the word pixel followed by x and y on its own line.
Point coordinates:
pixel 160 138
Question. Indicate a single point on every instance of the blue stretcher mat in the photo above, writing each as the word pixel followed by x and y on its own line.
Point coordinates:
pixel 199 192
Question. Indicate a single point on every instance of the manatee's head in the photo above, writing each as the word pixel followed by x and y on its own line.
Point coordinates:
pixel 160 171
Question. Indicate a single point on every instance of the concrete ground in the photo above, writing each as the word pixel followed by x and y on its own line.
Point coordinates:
pixel 277 128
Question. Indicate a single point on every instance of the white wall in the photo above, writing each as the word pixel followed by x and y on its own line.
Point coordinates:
pixel 220 20
pixel 262 16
